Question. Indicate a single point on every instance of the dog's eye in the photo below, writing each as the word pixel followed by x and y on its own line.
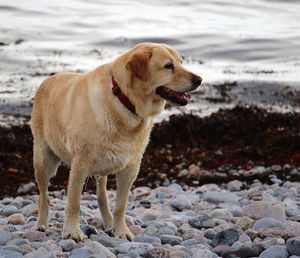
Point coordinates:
pixel 169 66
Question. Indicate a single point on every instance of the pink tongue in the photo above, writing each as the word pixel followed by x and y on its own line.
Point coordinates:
pixel 182 96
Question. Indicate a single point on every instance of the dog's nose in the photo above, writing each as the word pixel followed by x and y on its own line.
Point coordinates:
pixel 196 80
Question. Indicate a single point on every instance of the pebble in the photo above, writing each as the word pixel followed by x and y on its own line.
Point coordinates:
pixel 171 239
pixel 26 188
pixel 182 203
pixel 80 253
pixel 263 209
pixel 16 219
pixel 147 239
pixel 67 245
pixel 293 228
pixel 275 251
pixel 10 254
pixel 220 197
pixel 181 222
pixel 88 229
pixel 202 221
pixel 268 223
pixel 34 235
pixel 234 185
pixel 204 253
pixel 227 236
pixel 244 222
pixel 293 246
pixel 137 248
pixel 157 252
pixel 94 247
pixel 4 238
pixel 9 210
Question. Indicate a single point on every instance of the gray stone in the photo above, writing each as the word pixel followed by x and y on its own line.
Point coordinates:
pixel 227 236
pixel 138 248
pixel 165 231
pixel 49 254
pixel 9 210
pixel 263 209
pixel 94 247
pixel 80 253
pixel 189 242
pixel 291 207
pixel 29 209
pixel 202 221
pixel 170 239
pixel 234 185
pixel 244 251
pixel 147 239
pixel 10 254
pixel 244 222
pixel 150 230
pixel 268 223
pixel 157 252
pixel 268 242
pixel 293 228
pixel 88 229
pixel 108 241
pixel 26 188
pixel 220 197
pixel 4 238
pixel 67 245
pixel 293 246
pixel 34 235
pixel 18 241
pixel 14 248
pixel 204 253
pixel 179 253
pixel 181 203
pixel 275 251
pixel 3 221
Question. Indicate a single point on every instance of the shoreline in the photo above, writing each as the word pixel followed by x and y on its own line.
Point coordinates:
pixel 244 143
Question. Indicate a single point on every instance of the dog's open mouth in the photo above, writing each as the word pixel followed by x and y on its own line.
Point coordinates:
pixel 179 98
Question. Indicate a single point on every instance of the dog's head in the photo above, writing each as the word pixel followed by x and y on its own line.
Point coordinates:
pixel 157 74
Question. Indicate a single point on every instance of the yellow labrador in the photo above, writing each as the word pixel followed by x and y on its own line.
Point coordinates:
pixel 99 123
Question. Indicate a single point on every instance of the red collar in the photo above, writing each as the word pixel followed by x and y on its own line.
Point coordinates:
pixel 123 99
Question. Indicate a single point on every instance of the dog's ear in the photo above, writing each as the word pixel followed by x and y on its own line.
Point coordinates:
pixel 138 65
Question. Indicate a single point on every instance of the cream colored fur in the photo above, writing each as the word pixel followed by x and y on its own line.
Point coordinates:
pixel 77 119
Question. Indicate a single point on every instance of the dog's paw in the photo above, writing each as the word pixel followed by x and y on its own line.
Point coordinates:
pixel 124 233
pixel 41 227
pixel 73 233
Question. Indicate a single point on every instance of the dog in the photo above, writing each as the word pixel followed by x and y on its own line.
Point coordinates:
pixel 99 123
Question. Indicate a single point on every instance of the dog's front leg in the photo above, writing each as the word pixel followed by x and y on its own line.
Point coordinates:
pixel 78 175
pixel 125 179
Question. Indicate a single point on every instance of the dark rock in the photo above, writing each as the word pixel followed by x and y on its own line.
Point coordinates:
pixel 202 221
pixel 170 239
pixel 244 252
pixel 293 246
pixel 157 252
pixel 275 251
pixel 227 236
pixel 88 229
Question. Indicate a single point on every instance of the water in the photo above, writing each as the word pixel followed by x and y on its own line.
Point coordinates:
pixel 253 44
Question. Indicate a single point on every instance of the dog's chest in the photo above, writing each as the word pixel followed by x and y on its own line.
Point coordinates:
pixel 112 159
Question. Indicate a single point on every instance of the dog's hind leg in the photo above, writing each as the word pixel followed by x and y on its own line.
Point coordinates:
pixel 103 202
pixel 45 164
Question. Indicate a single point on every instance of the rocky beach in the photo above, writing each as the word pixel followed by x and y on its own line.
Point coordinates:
pixel 219 178
pixel 232 219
